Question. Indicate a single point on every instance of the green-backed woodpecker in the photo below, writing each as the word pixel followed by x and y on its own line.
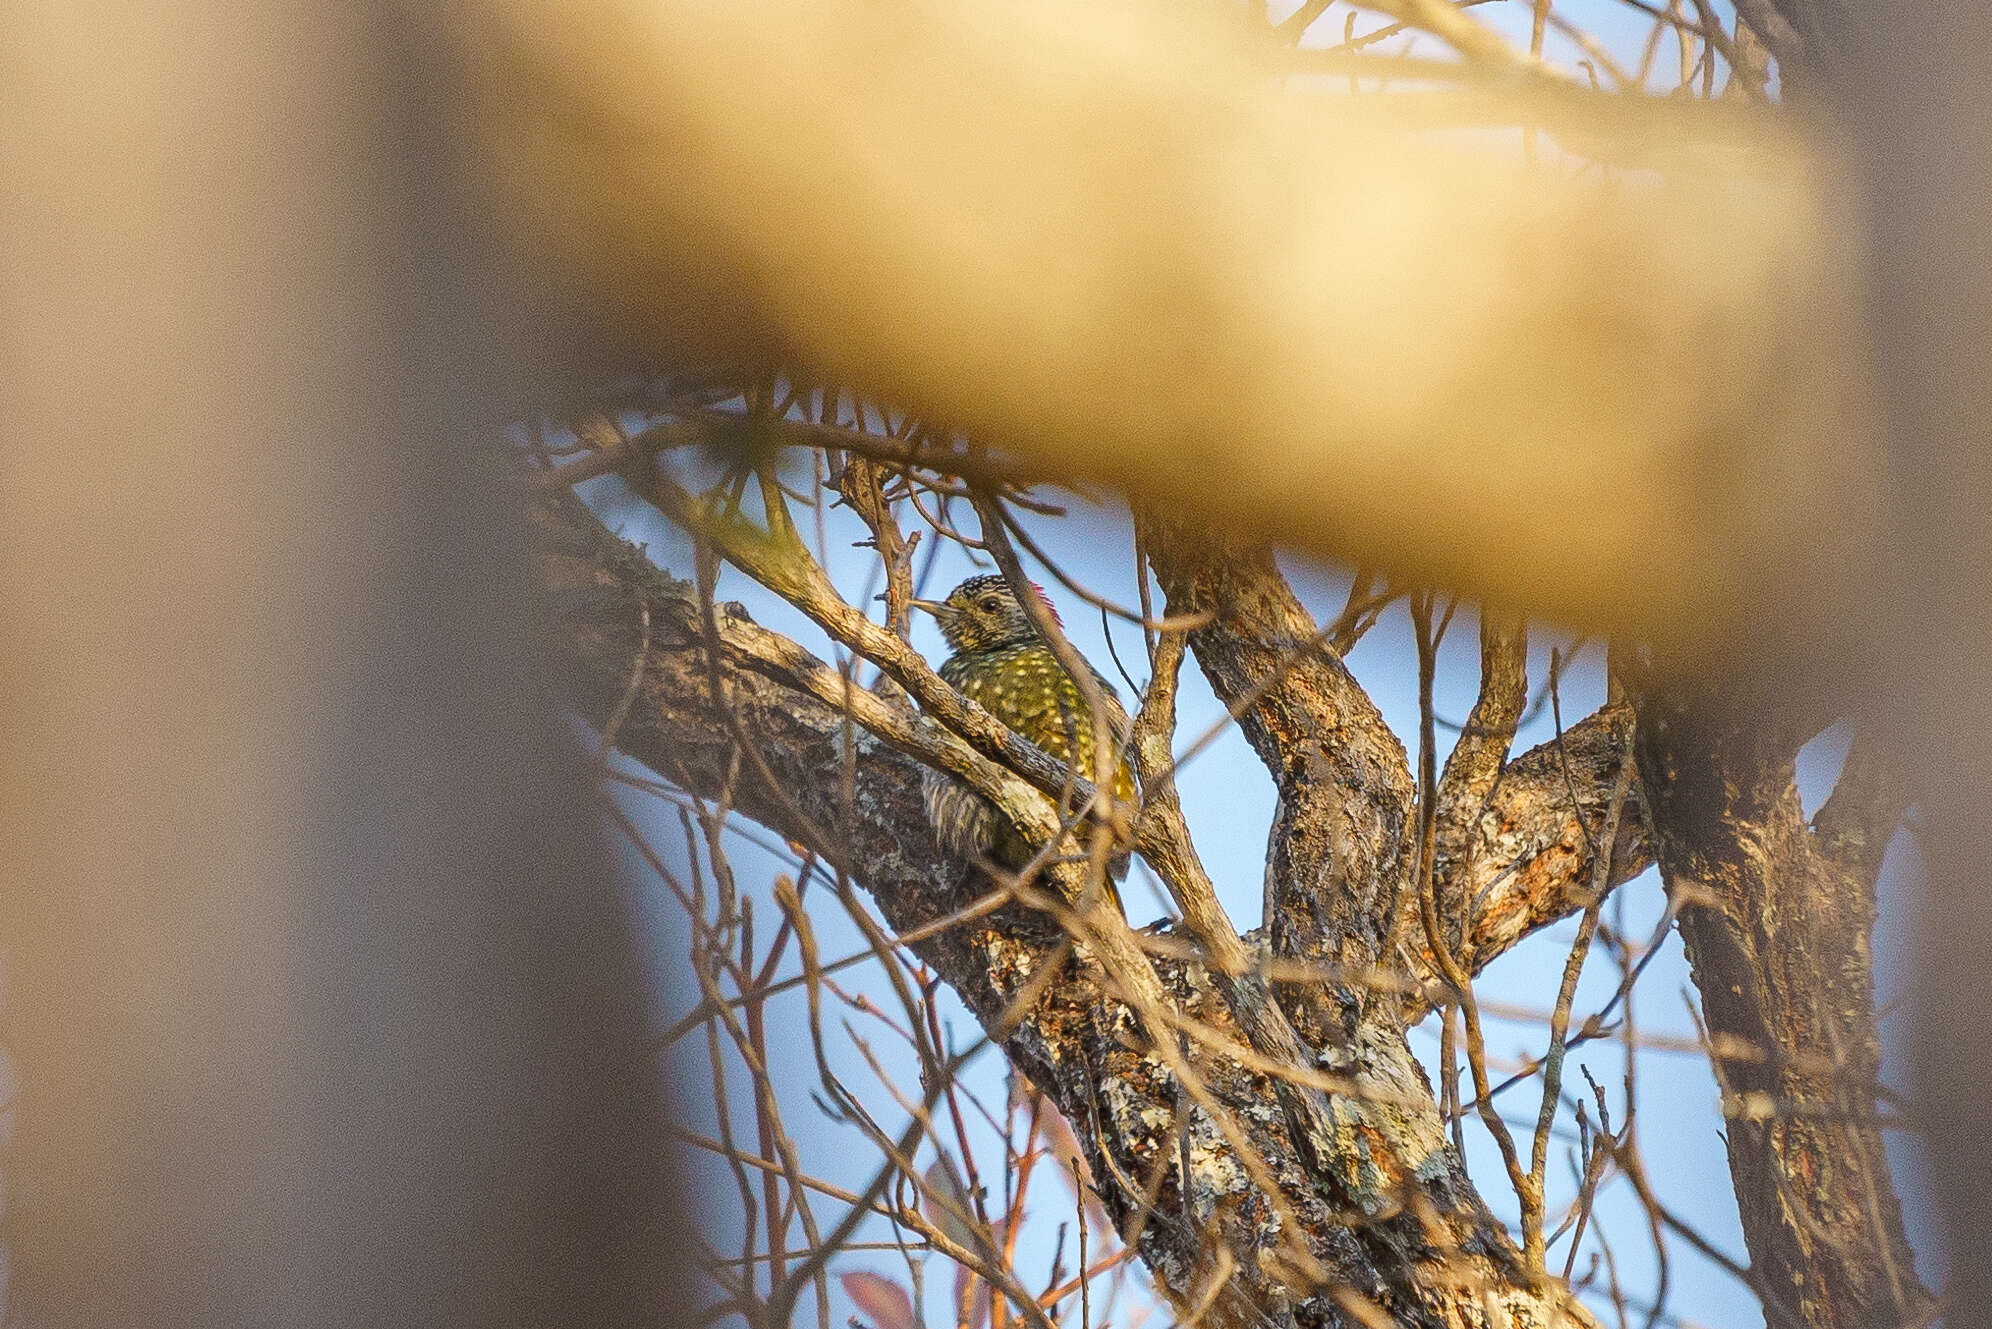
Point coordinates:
pixel 1001 662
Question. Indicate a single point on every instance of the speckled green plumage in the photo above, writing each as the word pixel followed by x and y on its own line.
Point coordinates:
pixel 1027 689
pixel 1002 663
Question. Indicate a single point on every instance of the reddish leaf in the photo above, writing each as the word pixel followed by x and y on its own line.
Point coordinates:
pixel 881 1301
pixel 948 1204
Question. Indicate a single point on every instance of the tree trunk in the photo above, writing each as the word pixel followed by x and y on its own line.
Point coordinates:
pixel 1777 916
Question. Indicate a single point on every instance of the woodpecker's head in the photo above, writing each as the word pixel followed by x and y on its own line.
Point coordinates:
pixel 982 614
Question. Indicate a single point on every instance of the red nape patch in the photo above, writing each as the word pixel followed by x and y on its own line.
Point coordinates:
pixel 1045 600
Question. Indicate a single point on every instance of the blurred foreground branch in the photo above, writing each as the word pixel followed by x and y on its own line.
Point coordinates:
pixel 1114 240
pixel 321 993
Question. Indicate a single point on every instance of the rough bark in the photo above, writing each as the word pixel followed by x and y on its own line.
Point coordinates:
pixel 1777 917
pixel 1514 853
pixel 1529 857
pixel 1337 856
pixel 1473 769
pixel 1376 1215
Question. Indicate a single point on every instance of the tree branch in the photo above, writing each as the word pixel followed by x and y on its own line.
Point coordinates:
pixel 1474 768
pixel 994 256
pixel 1076 1038
pixel 1854 827
pixel 1482 750
pixel 1337 848
pixel 1529 861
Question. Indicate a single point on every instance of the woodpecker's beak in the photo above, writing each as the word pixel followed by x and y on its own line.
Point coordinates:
pixel 934 607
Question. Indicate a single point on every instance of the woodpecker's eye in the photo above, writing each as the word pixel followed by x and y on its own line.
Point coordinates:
pixel 990 604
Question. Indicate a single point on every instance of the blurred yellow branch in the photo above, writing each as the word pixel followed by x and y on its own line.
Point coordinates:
pixel 1109 237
